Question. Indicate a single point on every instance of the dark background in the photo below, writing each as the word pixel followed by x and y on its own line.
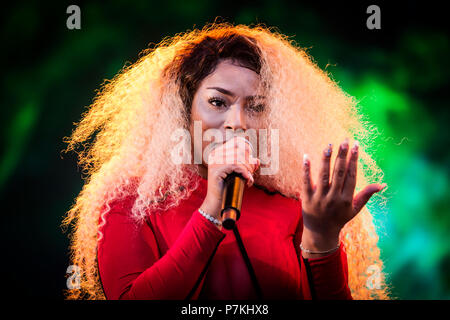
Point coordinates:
pixel 400 73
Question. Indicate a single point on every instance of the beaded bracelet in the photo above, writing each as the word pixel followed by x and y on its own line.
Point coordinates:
pixel 207 216
pixel 319 252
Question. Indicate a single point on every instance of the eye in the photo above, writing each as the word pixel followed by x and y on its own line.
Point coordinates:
pixel 257 108
pixel 217 102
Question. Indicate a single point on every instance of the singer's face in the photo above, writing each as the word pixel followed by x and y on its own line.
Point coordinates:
pixel 227 99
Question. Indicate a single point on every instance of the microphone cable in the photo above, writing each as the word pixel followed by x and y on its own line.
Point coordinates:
pixel 251 271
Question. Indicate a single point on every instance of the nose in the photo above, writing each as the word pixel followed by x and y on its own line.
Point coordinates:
pixel 235 118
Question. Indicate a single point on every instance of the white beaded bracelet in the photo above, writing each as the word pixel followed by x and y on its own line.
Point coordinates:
pixel 207 216
pixel 319 252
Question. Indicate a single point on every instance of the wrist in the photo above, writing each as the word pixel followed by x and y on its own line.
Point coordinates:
pixel 213 208
pixel 213 220
pixel 211 212
pixel 318 242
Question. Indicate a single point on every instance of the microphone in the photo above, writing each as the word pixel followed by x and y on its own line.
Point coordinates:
pixel 233 192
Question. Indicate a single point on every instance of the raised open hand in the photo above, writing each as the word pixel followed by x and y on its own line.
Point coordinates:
pixel 329 205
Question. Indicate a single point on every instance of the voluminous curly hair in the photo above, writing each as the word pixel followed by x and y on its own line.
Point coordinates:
pixel 132 118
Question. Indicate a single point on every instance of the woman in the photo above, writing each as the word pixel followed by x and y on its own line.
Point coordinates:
pixel 149 227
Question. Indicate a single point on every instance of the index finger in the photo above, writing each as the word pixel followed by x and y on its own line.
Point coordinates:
pixel 339 169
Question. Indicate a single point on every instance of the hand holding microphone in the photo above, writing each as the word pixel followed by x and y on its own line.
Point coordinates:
pixel 226 178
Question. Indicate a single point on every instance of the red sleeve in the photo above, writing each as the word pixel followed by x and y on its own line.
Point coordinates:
pixel 324 278
pixel 129 262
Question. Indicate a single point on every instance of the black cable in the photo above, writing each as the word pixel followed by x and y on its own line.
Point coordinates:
pixel 310 278
pixel 189 296
pixel 248 263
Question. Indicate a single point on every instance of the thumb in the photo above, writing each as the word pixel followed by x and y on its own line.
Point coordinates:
pixel 364 196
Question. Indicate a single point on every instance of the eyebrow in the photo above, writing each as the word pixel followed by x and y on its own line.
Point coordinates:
pixel 229 93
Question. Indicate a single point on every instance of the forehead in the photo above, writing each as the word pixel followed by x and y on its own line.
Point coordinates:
pixel 232 77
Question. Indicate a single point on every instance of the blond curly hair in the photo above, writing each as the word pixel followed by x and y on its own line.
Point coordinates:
pixel 134 115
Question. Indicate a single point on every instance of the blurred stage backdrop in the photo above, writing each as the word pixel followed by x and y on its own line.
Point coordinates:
pixel 50 73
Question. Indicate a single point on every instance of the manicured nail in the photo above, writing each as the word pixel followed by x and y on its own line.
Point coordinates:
pixel 328 150
pixel 383 186
pixel 345 143
pixel 256 165
pixel 344 146
pixel 355 146
pixel 305 158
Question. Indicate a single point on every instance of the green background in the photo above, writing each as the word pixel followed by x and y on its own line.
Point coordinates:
pixel 400 74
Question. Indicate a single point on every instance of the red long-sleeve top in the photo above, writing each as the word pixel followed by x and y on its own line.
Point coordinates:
pixel 179 254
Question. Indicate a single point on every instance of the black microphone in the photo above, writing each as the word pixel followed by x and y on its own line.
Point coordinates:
pixel 233 192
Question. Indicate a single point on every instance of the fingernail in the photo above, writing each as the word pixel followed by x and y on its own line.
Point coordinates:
pixel 345 143
pixel 344 146
pixel 305 158
pixel 355 146
pixel 258 164
pixel 383 186
pixel 328 150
